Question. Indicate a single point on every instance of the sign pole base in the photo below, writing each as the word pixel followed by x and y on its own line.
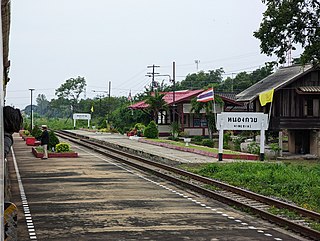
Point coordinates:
pixel 261 156
pixel 220 156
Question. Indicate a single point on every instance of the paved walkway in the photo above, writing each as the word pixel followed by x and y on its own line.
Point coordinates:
pixel 174 155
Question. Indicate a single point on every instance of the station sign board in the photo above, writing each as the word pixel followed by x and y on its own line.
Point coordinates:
pixel 81 116
pixel 242 121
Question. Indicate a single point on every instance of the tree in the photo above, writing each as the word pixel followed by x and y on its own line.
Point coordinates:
pixel 72 90
pixel 156 103
pixel 200 80
pixel 288 23
pixel 243 80
pixel 42 104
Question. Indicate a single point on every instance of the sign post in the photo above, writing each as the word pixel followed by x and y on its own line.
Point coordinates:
pixel 81 116
pixel 242 121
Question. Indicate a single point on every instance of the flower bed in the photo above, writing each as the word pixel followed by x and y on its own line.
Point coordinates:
pixel 39 154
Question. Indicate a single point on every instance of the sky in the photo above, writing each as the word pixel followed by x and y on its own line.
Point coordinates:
pixel 116 41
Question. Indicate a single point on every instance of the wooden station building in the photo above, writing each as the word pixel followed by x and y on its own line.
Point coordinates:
pixel 295 106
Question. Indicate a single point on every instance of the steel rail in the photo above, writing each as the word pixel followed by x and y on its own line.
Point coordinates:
pixel 82 140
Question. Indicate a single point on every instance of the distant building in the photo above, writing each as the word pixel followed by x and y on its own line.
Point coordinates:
pixel 295 106
pixel 194 124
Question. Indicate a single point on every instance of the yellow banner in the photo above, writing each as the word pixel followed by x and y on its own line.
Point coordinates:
pixel 92 109
pixel 266 97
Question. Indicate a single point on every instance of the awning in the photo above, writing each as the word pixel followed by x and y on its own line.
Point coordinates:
pixel 308 90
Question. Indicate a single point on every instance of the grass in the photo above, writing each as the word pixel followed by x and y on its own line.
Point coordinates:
pixel 291 181
pixel 191 146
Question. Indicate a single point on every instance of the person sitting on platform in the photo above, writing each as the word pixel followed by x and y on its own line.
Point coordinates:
pixel 12 122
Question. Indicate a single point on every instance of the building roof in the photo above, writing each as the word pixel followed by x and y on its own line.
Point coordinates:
pixel 281 78
pixel 181 96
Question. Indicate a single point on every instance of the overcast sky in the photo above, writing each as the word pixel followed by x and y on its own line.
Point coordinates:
pixel 105 40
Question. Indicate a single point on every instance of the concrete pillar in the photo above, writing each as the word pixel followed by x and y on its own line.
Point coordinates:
pixel 281 143
pixel 314 142
pixel 291 141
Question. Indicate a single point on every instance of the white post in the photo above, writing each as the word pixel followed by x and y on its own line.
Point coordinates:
pixel 220 144
pixel 74 123
pixel 262 140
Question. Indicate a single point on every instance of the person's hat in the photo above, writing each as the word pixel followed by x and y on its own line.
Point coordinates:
pixel 44 126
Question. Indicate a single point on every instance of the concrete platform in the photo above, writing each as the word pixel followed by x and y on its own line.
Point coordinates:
pixel 95 198
pixel 166 153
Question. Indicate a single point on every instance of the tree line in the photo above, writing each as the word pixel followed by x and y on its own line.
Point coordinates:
pixel 114 111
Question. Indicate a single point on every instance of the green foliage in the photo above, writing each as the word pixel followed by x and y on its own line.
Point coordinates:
pixel 173 138
pixel 237 141
pixel 36 132
pixel 207 142
pixel 151 131
pixel 156 103
pixel 287 24
pixel 43 104
pixel 71 90
pixel 226 139
pixel 243 80
pixel 254 148
pixel 55 123
pixel 201 80
pixel 53 140
pixel 175 127
pixel 26 132
pixel 197 139
pixel 275 147
pixel 295 182
pixel 62 147
pixel 184 134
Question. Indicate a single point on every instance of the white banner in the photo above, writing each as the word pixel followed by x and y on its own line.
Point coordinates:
pixel 242 121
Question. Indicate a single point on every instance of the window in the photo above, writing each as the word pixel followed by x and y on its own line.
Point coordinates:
pixel 196 122
pixel 204 123
pixel 162 117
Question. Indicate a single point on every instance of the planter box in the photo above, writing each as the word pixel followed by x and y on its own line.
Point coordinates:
pixel 30 141
pixel 55 154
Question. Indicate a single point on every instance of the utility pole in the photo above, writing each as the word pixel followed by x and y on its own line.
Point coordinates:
pixel 197 62
pixel 109 96
pixel 31 114
pixel 152 74
pixel 173 92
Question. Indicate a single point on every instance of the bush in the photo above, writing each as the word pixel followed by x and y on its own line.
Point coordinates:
pixel 254 148
pixel 26 132
pixel 53 140
pixel 207 142
pixel 173 138
pixel 226 139
pixel 197 138
pixel 151 131
pixel 36 132
pixel 63 147
pixel 237 142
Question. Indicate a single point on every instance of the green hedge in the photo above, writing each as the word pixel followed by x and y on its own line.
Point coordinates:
pixel 151 131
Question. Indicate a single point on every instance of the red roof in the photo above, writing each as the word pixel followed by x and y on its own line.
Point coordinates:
pixel 181 95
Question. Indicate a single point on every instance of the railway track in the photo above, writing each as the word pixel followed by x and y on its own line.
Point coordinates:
pixel 231 195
